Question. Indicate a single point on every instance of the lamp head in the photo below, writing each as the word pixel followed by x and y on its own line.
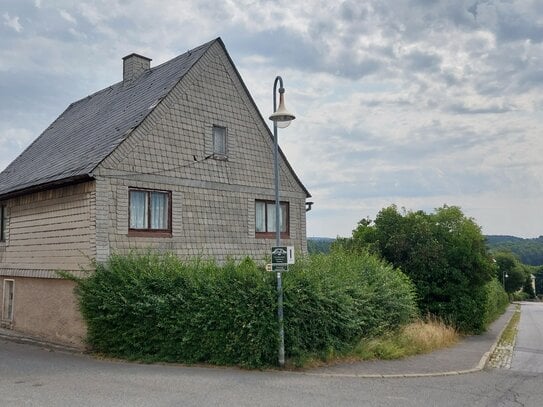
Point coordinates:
pixel 282 117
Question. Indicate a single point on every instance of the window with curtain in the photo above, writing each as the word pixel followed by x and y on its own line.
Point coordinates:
pixel 265 218
pixel 149 211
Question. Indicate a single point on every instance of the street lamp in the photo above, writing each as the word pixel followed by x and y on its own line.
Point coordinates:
pixel 281 118
pixel 504 274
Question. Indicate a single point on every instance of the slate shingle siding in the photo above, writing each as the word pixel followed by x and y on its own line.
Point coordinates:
pixel 48 231
pixel 213 200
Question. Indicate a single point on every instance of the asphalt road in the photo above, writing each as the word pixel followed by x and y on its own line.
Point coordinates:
pixel 32 376
pixel 528 352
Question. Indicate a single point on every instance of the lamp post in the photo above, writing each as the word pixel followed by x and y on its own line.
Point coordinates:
pixel 281 118
pixel 504 274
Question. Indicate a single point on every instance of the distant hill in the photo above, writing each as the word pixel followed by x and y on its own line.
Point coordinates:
pixel 530 251
pixel 319 244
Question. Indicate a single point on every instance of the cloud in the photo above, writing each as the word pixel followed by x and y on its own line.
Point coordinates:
pixel 422 61
pixel 67 16
pixel 462 108
pixel 511 21
pixel 12 22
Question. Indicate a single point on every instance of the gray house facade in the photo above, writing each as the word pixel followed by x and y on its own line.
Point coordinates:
pixel 175 157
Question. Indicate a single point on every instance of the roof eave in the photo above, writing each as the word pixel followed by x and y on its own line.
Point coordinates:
pixel 76 179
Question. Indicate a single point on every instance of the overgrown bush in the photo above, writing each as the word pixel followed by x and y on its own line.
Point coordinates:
pixel 155 307
pixel 331 301
pixel 443 253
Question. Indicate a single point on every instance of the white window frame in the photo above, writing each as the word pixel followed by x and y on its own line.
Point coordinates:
pixel 220 153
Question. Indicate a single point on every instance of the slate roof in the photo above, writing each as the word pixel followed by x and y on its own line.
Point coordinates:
pixel 91 128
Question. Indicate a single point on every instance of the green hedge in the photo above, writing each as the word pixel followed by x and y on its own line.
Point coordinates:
pixel 333 300
pixel 497 301
pixel 155 307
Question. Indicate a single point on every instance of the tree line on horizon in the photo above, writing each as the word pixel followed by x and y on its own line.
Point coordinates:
pixel 528 251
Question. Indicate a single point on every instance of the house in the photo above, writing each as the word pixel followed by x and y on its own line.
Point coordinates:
pixel 174 157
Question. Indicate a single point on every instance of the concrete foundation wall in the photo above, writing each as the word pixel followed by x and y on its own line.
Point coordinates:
pixel 46 308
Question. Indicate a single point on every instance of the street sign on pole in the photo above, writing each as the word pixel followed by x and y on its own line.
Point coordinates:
pixel 279 267
pixel 279 255
pixel 279 258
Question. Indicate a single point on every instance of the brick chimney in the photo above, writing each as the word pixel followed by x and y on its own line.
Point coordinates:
pixel 133 66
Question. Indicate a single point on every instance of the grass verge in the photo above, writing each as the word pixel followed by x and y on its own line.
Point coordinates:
pixel 510 332
pixel 503 352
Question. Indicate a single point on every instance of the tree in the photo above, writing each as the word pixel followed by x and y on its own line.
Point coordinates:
pixel 510 271
pixel 539 281
pixel 528 288
pixel 443 253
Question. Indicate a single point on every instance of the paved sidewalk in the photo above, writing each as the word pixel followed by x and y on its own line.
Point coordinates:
pixel 469 355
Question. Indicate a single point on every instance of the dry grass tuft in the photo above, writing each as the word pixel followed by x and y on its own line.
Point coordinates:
pixel 421 336
pixel 426 336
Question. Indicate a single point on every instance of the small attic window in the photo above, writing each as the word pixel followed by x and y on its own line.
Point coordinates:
pixel 219 142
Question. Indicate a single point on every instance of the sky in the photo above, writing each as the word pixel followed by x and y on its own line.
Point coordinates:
pixel 415 103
